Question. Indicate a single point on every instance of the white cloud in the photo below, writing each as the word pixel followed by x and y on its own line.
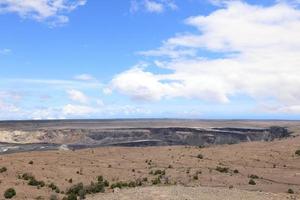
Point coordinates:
pixel 5 51
pixel 169 51
pixel 10 108
pixel 152 6
pixel 53 11
pixel 77 110
pixel 222 2
pixel 84 77
pixel 243 50
pixel 77 95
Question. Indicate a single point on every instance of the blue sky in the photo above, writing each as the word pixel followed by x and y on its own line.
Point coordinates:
pixel 149 58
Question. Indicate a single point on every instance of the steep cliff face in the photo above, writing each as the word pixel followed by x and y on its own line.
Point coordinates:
pixel 185 136
pixel 83 137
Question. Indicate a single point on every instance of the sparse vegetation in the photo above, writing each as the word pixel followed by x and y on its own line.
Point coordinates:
pixel 195 177
pixel 253 176
pixel 200 156
pixel 53 197
pixel 79 190
pixel 121 184
pixel 53 187
pixel 290 191
pixel 222 169
pixel 156 181
pixel 252 182
pixel 3 169
pixel 297 152
pixel 9 193
pixel 159 172
pixel 236 171
pixel 30 162
pixel 32 180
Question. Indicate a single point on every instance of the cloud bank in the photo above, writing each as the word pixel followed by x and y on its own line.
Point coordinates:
pixel 152 6
pixel 239 50
pixel 52 11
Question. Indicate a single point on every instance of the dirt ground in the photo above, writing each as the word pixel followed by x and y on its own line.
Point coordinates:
pixel 188 193
pixel 275 164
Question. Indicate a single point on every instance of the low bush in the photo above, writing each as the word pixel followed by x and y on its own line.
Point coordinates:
pixel 156 181
pixel 79 190
pixel 297 152
pixel 236 171
pixel 252 182
pixel 253 176
pixel 119 185
pixel 222 169
pixel 9 193
pixel 290 191
pixel 53 197
pixel 195 177
pixel 200 156
pixel 32 181
pixel 3 169
pixel 159 172
pixel 52 186
pixel 94 188
pixel 27 176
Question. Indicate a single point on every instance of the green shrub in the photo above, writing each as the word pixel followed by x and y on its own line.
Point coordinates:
pixel 53 197
pixel 75 189
pixel 156 181
pixel 30 162
pixel 34 182
pixel 81 194
pixel 195 177
pixel 100 178
pixel 3 169
pixel 236 171
pixel 160 172
pixel 53 186
pixel 119 185
pixel 297 152
pixel 72 197
pixel 252 182
pixel 222 169
pixel 94 188
pixel 253 176
pixel 200 156
pixel 290 191
pixel 9 193
pixel 106 183
pixel 27 176
pixel 132 184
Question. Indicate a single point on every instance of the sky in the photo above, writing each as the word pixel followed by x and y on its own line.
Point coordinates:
pixel 198 59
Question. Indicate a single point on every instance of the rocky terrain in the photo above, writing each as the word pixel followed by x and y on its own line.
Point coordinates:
pixel 76 134
pixel 189 193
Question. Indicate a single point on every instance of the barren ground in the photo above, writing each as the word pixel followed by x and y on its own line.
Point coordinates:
pixel 274 163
